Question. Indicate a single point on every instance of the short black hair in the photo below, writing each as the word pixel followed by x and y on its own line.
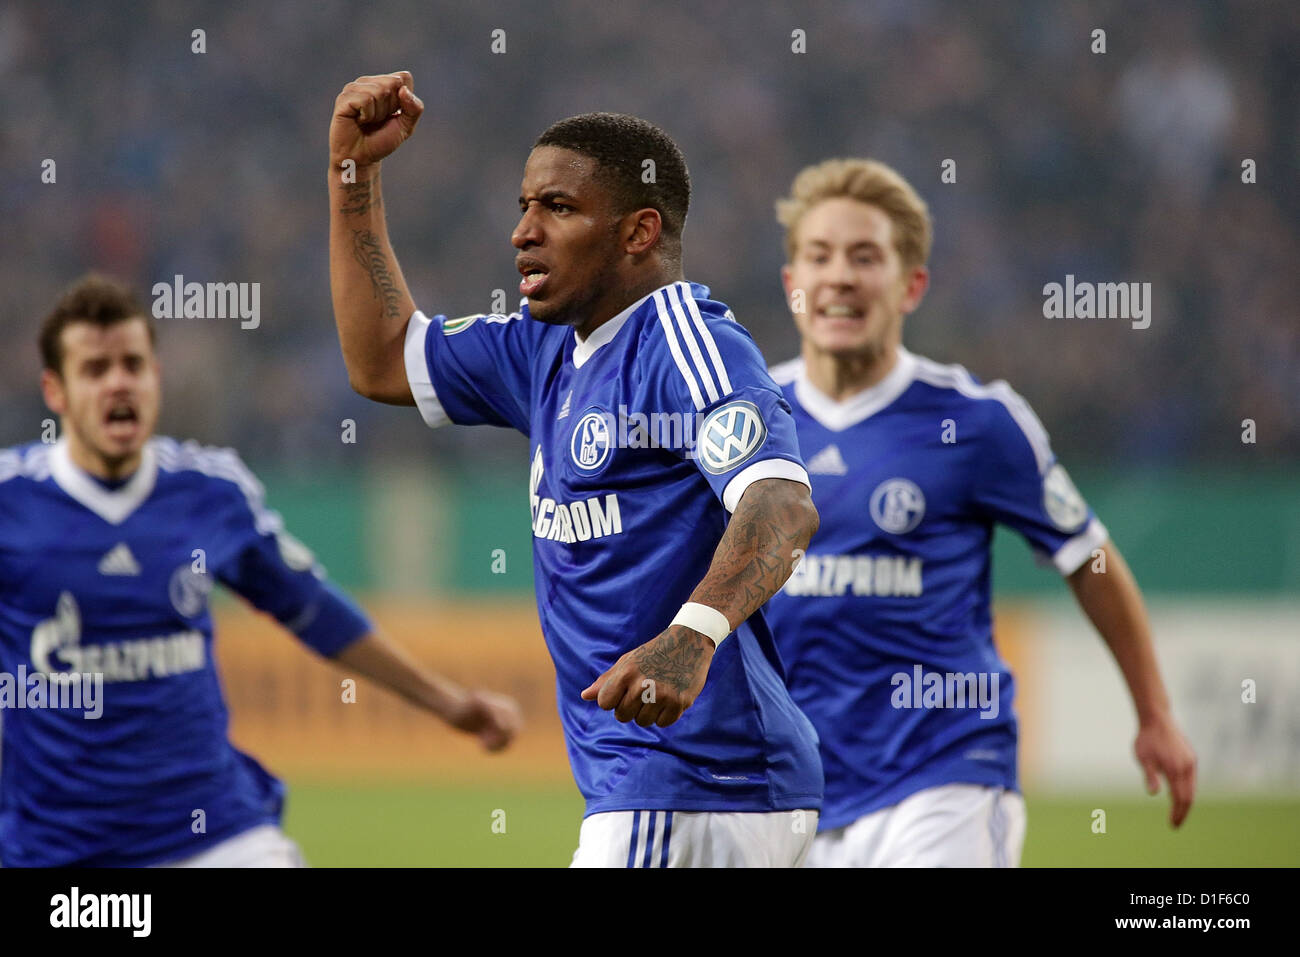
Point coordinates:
pixel 620 144
pixel 94 298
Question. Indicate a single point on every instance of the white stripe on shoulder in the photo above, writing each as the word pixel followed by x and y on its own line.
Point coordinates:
pixel 784 373
pixel 724 381
pixel 34 464
pixel 956 377
pixel 222 464
pixel 682 366
pixel 692 347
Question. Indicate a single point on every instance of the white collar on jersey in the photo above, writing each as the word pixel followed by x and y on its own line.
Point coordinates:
pixel 113 506
pixel 837 416
pixel 584 349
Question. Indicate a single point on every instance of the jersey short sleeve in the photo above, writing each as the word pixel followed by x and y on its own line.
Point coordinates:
pixel 475 370
pixel 710 372
pixel 278 574
pixel 1020 483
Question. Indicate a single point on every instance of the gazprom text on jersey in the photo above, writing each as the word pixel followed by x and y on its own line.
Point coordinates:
pixel 832 575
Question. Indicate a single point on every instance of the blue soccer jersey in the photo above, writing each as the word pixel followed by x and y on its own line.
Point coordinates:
pixel 885 627
pixel 642 438
pixel 112 585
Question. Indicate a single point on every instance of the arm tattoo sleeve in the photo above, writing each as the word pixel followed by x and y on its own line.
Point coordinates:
pixel 757 551
pixel 369 252
pixel 360 197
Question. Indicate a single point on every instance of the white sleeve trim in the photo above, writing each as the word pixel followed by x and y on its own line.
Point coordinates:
pixel 1069 558
pixel 417 372
pixel 768 468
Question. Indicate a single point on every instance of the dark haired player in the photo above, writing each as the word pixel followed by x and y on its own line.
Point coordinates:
pixel 110 541
pixel 651 561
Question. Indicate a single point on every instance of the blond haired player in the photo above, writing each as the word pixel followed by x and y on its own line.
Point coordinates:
pixel 885 626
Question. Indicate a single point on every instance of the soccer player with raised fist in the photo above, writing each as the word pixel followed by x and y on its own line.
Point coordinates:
pixel 654 550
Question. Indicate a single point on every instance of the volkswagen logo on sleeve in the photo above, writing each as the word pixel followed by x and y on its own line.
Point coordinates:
pixel 1062 501
pixel 730 435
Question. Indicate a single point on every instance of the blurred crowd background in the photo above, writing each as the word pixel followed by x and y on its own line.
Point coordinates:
pixel 1122 166
pixel 1117 166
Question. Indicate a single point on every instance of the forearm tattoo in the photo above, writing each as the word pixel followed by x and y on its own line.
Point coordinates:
pixel 757 551
pixel 673 658
pixel 360 197
pixel 369 252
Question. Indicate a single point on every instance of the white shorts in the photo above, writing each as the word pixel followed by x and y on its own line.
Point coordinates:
pixel 695 839
pixel 953 825
pixel 262 846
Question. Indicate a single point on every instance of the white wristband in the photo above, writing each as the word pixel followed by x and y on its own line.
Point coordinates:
pixel 705 620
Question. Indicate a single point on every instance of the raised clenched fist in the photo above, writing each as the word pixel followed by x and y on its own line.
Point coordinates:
pixel 373 116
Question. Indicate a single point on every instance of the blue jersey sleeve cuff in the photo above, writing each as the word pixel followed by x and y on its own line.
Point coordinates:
pixel 417 371
pixel 768 468
pixel 330 623
pixel 1070 557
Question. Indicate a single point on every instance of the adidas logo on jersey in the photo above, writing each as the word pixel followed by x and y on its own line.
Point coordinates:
pixel 828 462
pixel 564 409
pixel 118 560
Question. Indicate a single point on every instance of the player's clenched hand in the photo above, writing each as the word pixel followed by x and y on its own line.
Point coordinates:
pixel 1161 749
pixel 373 116
pixel 655 683
pixel 494 718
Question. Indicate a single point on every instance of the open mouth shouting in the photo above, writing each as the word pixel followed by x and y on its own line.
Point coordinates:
pixel 122 420
pixel 535 274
